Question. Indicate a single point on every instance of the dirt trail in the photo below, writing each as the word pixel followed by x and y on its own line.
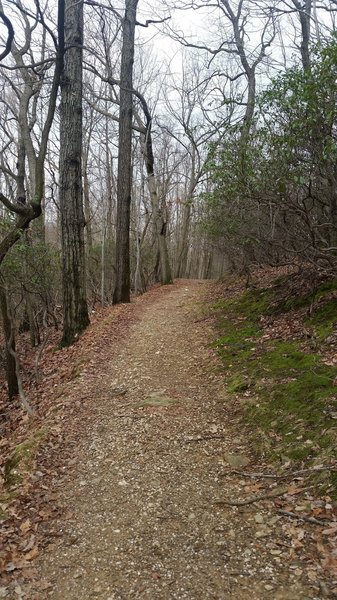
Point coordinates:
pixel 142 493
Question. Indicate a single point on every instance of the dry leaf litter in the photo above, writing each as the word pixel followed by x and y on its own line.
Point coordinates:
pixel 143 510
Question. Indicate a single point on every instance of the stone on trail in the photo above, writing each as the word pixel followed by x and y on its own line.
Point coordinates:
pixel 237 460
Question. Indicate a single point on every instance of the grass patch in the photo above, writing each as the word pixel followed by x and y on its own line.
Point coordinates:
pixel 22 460
pixel 290 395
pixel 324 319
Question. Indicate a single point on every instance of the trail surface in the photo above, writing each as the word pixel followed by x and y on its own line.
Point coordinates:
pixel 142 493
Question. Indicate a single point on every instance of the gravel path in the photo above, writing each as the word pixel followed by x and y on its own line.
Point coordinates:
pixel 144 521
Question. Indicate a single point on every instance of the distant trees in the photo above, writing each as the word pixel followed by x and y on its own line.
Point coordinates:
pixel 223 161
pixel 285 208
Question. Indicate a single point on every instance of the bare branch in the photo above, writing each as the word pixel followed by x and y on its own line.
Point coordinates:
pixel 152 21
pixel 15 207
pixel 10 35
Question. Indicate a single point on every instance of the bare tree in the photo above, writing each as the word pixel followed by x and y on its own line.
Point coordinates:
pixel 159 221
pixel 26 89
pixel 122 287
pixel 75 308
pixel 27 211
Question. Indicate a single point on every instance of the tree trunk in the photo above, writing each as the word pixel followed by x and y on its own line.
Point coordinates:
pixel 186 217
pixel 76 317
pixel 183 241
pixel 109 188
pixel 122 287
pixel 12 380
pixel 160 230
pixel 304 13
pixel 86 194
pixel 160 226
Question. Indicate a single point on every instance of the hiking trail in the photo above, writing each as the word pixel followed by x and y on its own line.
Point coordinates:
pixel 142 495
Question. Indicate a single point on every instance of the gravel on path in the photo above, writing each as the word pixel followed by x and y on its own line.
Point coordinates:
pixel 145 521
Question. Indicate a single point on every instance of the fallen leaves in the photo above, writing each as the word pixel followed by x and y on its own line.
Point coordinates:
pixel 332 530
pixel 25 526
pixel 27 508
pixel 32 553
pixel 59 399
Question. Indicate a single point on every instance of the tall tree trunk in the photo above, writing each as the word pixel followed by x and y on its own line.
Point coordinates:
pixel 160 228
pixel 186 217
pixel 76 317
pixel 138 283
pixel 122 287
pixel 304 12
pixel 110 200
pixel 183 240
pixel 160 225
pixel 12 380
pixel 86 195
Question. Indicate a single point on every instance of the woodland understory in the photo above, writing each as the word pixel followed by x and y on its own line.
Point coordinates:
pixel 144 145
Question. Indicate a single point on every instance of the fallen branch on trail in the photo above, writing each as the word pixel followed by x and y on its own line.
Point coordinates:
pixel 270 494
pixel 205 438
pixel 292 474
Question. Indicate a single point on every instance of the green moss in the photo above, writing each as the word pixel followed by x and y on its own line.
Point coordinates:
pixel 286 357
pixel 324 319
pixel 299 453
pixel 307 389
pixel 301 301
pixel 328 441
pixel 21 460
pixel 238 384
pixel 288 391
pixel 253 303
pixel 238 323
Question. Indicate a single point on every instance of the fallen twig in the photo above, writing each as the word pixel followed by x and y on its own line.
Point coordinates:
pixel 130 416
pixel 204 438
pixel 271 494
pixel 286 475
pixel 254 475
pixel 313 520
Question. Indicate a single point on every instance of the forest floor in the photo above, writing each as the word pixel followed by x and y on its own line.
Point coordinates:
pixel 134 469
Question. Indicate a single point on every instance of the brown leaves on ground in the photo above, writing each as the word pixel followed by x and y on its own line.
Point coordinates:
pixel 313 543
pixel 27 508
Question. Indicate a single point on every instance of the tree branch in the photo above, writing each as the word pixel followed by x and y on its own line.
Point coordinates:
pixel 15 207
pixel 10 35
pixel 151 21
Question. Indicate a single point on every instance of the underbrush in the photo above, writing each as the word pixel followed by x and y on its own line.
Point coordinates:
pixel 279 357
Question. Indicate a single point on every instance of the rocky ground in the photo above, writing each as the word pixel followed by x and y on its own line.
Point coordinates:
pixel 145 493
pixel 149 496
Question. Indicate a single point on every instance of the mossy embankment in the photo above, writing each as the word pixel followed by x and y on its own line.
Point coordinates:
pixel 278 357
